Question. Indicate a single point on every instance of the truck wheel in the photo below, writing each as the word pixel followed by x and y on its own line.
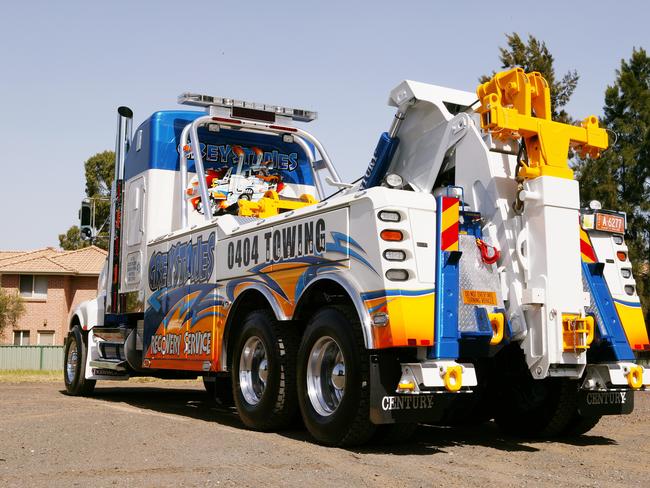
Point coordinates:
pixel 333 379
pixel 537 408
pixel 263 372
pixel 580 424
pixel 74 364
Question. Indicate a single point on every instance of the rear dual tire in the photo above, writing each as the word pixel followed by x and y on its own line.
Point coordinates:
pixel 327 377
pixel 333 379
pixel 263 372
pixel 545 409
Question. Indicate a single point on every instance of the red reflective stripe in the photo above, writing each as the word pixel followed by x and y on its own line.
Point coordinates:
pixel 449 237
pixel 449 226
pixel 587 250
pixel 448 202
pixel 282 127
pixel 229 121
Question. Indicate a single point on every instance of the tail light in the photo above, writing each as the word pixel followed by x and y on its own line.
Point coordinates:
pixel 391 235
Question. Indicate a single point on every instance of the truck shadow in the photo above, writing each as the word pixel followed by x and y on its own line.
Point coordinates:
pixel 428 439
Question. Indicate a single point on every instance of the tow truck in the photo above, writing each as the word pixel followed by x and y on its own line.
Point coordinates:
pixel 459 280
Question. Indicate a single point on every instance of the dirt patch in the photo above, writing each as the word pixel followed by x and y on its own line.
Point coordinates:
pixel 167 433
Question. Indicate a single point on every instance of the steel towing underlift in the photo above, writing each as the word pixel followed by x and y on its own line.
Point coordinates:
pixel 458 281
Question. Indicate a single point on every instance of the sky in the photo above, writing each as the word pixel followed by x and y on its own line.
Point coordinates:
pixel 66 66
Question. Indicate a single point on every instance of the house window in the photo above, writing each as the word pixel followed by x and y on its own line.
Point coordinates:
pixel 45 337
pixel 32 286
pixel 21 338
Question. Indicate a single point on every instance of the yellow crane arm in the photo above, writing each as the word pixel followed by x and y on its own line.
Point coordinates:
pixel 517 105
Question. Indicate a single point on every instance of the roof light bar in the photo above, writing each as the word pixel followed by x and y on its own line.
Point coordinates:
pixel 198 100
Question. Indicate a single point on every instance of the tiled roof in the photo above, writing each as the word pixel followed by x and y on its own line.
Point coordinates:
pixel 10 254
pixel 86 261
pixel 14 256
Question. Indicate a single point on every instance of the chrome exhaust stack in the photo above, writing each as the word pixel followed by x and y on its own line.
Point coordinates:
pixel 123 140
pixel 122 144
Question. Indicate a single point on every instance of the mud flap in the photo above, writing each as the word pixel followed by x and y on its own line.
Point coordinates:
pixel 612 402
pixel 388 407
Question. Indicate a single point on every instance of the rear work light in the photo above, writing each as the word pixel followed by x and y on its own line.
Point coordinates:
pixel 389 216
pixel 397 274
pixel 391 235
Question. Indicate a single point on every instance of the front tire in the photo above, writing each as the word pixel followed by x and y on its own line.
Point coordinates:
pixel 333 379
pixel 263 372
pixel 74 364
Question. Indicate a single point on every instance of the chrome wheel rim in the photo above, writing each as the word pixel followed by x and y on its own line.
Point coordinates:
pixel 253 370
pixel 72 361
pixel 326 376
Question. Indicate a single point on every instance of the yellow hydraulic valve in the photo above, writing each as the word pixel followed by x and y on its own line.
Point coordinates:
pixel 272 204
pixel 518 105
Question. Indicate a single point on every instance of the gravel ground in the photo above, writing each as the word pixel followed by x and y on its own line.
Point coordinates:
pixel 166 433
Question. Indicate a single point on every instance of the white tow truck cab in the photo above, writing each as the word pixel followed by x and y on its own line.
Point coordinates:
pixel 459 279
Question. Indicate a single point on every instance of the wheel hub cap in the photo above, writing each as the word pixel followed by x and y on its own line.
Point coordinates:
pixel 72 361
pixel 325 376
pixel 338 376
pixel 253 370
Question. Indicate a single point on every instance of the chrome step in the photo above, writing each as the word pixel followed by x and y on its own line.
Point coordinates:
pixel 115 365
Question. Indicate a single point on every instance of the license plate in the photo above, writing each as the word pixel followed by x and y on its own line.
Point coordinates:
pixel 479 297
pixel 610 223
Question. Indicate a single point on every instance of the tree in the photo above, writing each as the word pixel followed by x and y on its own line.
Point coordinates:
pixel 620 179
pixel 12 308
pixel 99 171
pixel 72 239
pixel 533 55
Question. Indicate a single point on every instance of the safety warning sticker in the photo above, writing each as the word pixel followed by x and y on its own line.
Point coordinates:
pixel 478 297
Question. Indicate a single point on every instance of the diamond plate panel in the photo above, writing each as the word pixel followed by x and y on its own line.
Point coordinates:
pixel 475 275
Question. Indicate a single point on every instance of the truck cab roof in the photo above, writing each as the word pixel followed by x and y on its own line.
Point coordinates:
pixel 156 146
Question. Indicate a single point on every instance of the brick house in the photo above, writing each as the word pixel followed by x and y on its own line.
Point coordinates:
pixel 52 283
